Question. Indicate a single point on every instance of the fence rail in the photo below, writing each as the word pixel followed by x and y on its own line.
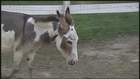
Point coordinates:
pixel 75 9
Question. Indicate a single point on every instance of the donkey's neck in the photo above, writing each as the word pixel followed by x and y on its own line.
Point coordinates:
pixel 46 32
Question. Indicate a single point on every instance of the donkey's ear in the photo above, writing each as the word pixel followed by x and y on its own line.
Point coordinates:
pixel 68 17
pixel 67 10
pixel 58 14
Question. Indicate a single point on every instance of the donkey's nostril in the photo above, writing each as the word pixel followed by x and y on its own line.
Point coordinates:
pixel 69 42
pixel 71 62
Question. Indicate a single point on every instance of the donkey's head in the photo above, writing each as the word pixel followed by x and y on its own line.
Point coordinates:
pixel 67 39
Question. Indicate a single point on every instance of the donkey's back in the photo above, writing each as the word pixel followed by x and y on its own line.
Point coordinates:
pixel 11 29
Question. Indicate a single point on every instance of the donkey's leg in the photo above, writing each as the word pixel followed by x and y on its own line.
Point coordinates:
pixel 30 58
pixel 17 59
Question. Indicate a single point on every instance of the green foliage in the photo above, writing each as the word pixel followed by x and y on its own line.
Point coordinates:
pixel 58 2
pixel 99 2
pixel 31 2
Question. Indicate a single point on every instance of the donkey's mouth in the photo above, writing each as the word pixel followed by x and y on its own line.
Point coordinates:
pixel 72 62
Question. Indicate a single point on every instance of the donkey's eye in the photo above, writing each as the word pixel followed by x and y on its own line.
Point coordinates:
pixel 69 42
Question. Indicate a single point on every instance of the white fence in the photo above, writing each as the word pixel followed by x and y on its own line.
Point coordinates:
pixel 75 9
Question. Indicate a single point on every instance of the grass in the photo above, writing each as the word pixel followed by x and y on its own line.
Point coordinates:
pixel 104 26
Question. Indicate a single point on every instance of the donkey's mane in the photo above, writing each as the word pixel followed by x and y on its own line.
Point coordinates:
pixel 46 19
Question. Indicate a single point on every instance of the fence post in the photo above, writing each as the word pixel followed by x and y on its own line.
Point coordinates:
pixel 65 5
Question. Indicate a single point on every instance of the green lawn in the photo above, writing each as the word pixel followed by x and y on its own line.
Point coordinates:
pixel 103 26
pixel 106 25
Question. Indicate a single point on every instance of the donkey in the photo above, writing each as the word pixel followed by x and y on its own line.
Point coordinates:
pixel 22 33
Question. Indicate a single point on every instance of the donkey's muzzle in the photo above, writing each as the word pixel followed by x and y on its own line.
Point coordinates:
pixel 72 62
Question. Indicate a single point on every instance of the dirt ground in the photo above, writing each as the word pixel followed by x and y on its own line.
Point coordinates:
pixel 114 58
